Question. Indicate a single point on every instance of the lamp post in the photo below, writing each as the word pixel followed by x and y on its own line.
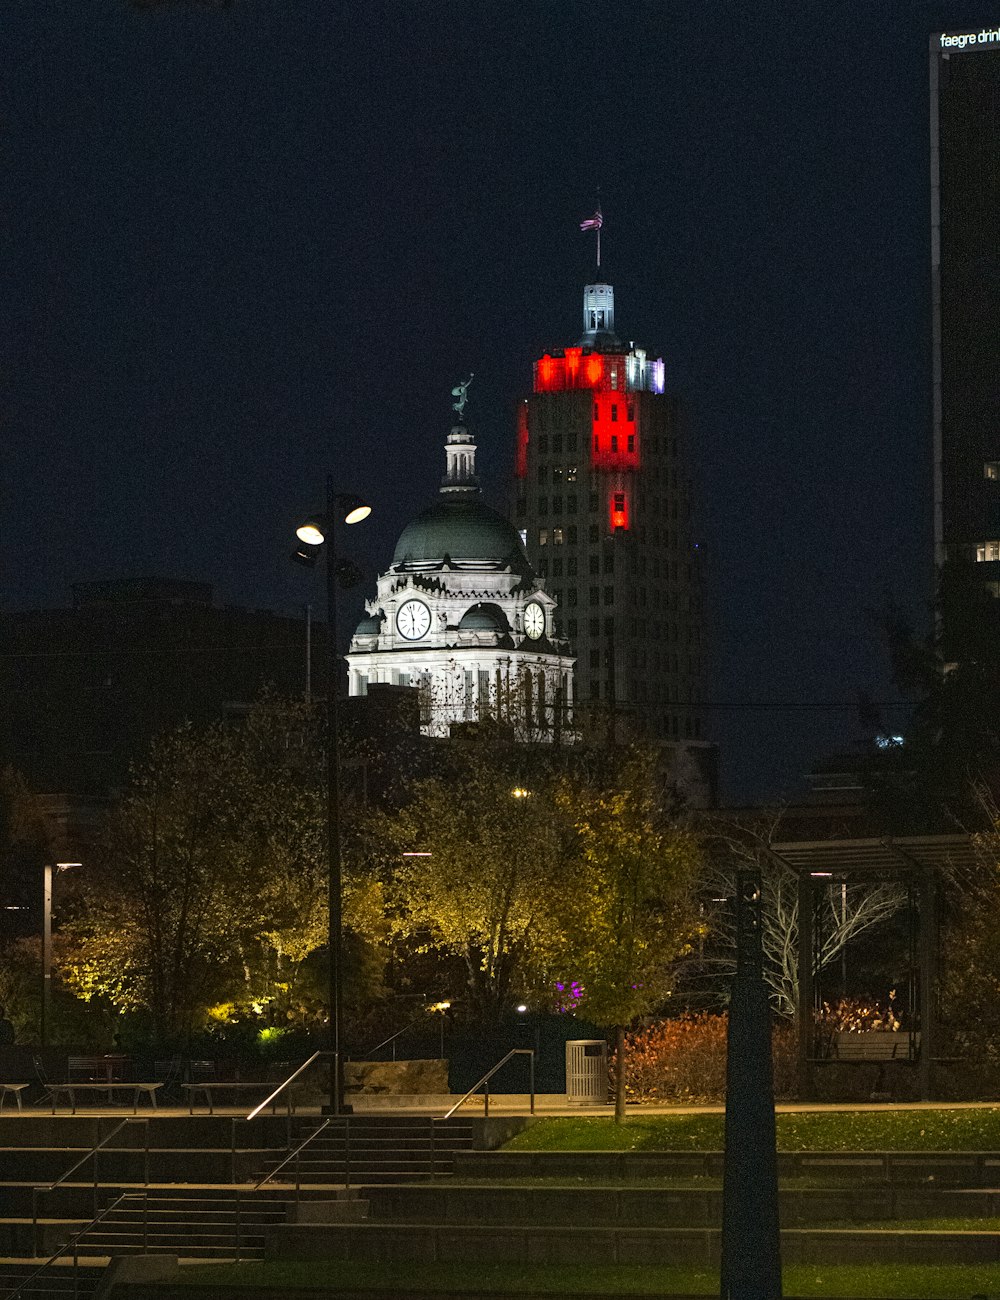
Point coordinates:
pixel 46 1017
pixel 316 532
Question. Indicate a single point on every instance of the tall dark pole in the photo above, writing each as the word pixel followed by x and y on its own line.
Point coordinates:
pixel 335 937
pixel 46 1019
pixel 751 1240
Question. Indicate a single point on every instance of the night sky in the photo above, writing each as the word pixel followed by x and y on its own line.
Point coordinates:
pixel 243 246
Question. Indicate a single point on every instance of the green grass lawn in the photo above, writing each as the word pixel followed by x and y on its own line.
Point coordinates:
pixel 858 1130
pixel 912 1281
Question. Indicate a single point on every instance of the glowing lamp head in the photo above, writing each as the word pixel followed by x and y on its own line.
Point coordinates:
pixel 311 532
pixel 358 510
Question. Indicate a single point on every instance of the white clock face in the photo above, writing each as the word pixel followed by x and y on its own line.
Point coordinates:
pixel 413 620
pixel 534 620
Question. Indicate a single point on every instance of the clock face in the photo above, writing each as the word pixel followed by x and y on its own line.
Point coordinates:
pixel 534 620
pixel 413 619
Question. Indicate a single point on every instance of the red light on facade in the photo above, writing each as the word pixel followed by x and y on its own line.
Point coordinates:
pixel 614 436
pixel 546 370
pixel 595 369
pixel 572 365
pixel 619 510
pixel 521 455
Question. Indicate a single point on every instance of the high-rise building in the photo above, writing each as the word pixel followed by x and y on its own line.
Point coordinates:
pixel 602 498
pixel 965 278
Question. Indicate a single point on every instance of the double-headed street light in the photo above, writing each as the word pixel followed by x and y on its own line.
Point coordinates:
pixel 319 532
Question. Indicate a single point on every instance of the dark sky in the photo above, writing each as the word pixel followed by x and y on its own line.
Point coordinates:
pixel 243 246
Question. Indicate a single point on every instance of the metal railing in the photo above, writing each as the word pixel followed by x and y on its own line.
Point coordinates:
pixel 485 1080
pixel 316 1056
pixel 294 1155
pixel 92 1154
pixel 74 1243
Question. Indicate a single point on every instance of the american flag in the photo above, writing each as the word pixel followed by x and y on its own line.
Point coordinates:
pixel 593 223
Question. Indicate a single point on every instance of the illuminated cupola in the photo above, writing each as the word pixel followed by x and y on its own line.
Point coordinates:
pixel 460 462
pixel 599 318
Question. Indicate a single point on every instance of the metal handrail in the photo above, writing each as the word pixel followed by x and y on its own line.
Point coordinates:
pixel 517 1051
pixel 93 1152
pixel 282 1086
pixel 391 1039
pixel 292 1154
pixel 65 1249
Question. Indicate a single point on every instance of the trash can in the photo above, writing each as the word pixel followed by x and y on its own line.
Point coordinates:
pixel 587 1071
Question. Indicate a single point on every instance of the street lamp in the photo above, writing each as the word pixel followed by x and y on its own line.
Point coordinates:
pixel 319 532
pixel 47 946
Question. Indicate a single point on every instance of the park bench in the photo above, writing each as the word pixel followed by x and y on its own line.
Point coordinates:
pixel 108 1089
pixel 877 1045
pixel 209 1087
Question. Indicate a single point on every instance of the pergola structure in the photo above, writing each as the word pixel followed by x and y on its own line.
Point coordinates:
pixel 919 860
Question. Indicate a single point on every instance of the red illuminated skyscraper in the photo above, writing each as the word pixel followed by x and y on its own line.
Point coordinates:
pixel 602 497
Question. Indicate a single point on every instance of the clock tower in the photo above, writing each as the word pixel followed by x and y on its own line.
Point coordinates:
pixel 461 615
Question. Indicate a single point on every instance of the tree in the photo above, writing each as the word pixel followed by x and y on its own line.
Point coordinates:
pixel 210 889
pixel 846 914
pixel 486 886
pixel 630 914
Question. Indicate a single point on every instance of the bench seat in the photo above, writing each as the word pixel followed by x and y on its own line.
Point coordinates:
pixel 108 1089
pixel 236 1088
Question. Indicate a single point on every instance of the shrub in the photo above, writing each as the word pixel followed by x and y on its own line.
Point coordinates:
pixel 684 1059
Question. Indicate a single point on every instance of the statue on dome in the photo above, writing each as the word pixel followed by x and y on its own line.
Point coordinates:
pixel 461 391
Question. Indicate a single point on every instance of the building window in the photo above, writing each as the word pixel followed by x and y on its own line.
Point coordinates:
pixel 609 595
pixel 543 443
pixel 595 564
pixel 991 470
pixel 571 442
pixel 542 473
pixel 631 413
pixel 597 413
pixel 988 551
pixel 557 474
pixel 609 562
pixel 557 444
pixel 571 535
pixel 571 595
pixel 614 442
pixel 571 625
pixel 522 506
pixel 571 504
pixel 557 568
pixel 595 660
pixel 609 627
pixel 592 504
pixel 597 443
pixel 595 595
pixel 543 505
pixel 614 412
pixel 557 537
pixel 592 533
pixel 557 505
pixel 543 537
pixel 571 474
pixel 631 442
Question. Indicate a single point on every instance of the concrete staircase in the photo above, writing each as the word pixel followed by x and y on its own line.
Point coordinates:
pixel 54 1282
pixel 363 1149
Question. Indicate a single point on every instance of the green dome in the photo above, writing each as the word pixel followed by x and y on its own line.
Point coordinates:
pixel 483 618
pixel 466 531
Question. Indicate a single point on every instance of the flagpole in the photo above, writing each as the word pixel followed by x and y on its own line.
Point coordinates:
pixel 598 247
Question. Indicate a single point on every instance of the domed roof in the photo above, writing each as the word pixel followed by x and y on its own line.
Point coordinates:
pixel 371 625
pixel 464 530
pixel 483 618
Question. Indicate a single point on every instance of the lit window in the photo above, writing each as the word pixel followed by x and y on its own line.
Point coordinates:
pixel 991 470
pixel 988 551
pixel 557 537
pixel 543 537
pixel 523 534
pixel 557 475
pixel 571 475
